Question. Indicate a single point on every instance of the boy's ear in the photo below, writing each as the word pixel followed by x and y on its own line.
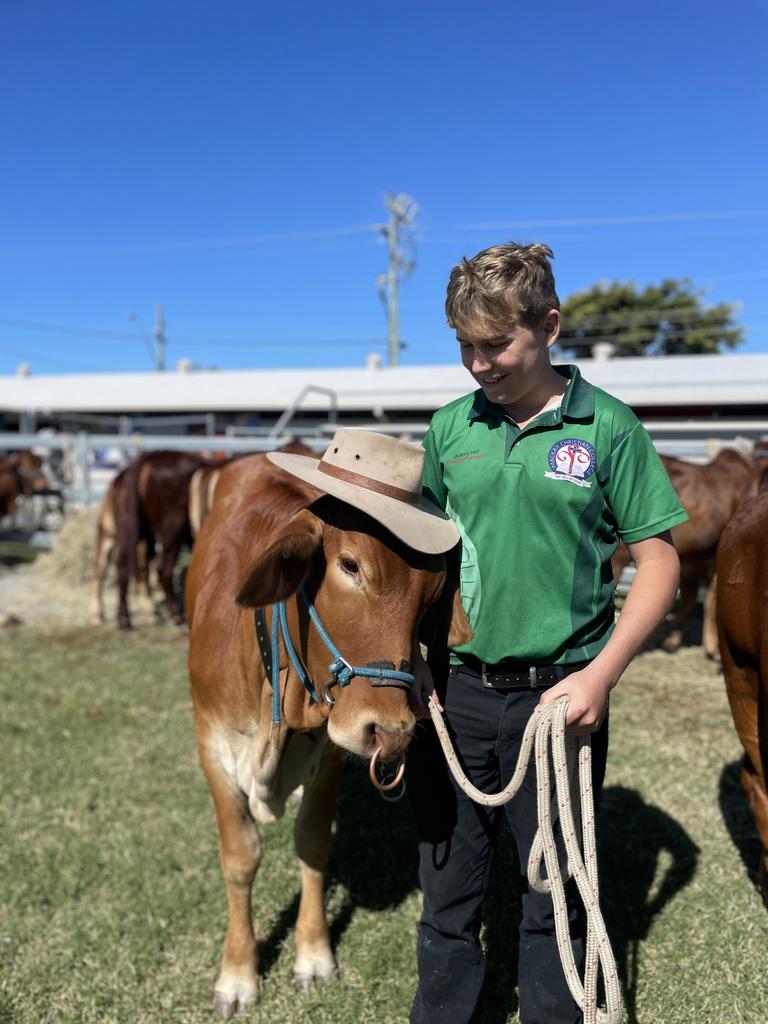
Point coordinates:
pixel 551 326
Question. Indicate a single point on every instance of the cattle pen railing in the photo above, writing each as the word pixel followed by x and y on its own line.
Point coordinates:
pixel 81 464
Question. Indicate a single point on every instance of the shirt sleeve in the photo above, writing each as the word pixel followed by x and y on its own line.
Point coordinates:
pixel 432 485
pixel 641 496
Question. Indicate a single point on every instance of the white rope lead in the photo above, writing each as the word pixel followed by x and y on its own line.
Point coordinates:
pixel 548 720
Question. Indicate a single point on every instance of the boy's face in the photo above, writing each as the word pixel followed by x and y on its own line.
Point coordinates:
pixel 512 366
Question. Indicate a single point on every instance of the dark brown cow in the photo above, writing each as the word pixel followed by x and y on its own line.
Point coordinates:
pixel 265 534
pixel 20 473
pixel 710 494
pixel 152 507
pixel 742 619
pixel 104 552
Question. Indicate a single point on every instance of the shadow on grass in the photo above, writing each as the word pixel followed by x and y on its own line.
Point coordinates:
pixel 632 836
pixel 374 857
pixel 739 821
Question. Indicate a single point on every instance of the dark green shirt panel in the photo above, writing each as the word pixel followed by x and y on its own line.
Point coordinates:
pixel 432 477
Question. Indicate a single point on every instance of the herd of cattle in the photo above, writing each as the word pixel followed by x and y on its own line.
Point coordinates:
pixel 256 538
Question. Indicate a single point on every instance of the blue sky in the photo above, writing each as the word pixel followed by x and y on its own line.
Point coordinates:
pixel 230 162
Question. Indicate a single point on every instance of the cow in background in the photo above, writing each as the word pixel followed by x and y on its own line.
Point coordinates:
pixel 21 473
pixel 104 553
pixel 152 507
pixel 742 619
pixel 202 486
pixel 710 494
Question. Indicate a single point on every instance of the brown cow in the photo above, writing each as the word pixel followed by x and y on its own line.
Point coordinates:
pixel 266 533
pixel 710 494
pixel 104 552
pixel 153 507
pixel 20 473
pixel 742 619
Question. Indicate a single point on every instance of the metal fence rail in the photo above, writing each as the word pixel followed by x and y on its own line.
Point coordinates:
pixel 82 464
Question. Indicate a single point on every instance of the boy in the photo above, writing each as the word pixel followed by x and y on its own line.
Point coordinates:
pixel 543 475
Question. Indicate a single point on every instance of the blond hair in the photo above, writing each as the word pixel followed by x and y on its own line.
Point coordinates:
pixel 501 286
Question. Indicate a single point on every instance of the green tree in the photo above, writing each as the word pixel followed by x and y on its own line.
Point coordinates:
pixel 670 318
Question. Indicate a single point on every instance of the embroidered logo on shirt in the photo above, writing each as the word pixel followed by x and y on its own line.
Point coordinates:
pixel 572 460
pixel 475 453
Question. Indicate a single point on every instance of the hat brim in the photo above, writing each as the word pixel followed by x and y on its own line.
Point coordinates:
pixel 422 525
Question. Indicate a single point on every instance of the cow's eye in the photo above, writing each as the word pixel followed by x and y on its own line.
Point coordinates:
pixel 349 565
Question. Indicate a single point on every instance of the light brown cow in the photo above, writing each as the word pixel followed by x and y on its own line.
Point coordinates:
pixel 202 488
pixel 710 494
pixel 742 617
pixel 266 533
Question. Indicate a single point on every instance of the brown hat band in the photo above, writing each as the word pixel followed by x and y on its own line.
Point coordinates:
pixel 369 483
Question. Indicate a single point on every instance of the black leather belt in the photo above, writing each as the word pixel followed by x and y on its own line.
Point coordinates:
pixel 514 676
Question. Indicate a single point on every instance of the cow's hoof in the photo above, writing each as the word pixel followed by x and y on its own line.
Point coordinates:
pixel 304 982
pixel 235 1000
pixel 671 644
pixel 318 969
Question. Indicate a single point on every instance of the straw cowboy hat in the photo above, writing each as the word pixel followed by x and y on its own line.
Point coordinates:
pixel 381 476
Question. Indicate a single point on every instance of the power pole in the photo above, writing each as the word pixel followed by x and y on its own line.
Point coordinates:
pixel 159 338
pixel 402 212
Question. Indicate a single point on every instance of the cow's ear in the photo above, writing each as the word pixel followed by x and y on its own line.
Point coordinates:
pixel 280 570
pixel 446 625
pixel 459 632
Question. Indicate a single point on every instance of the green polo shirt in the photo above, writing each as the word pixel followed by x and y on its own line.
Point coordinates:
pixel 540 512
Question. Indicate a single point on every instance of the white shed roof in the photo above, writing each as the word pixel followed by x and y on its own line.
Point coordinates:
pixel 670 380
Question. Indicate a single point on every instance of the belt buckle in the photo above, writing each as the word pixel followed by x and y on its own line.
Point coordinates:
pixel 532 677
pixel 484 676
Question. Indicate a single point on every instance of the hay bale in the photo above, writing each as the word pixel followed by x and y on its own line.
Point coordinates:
pixel 70 560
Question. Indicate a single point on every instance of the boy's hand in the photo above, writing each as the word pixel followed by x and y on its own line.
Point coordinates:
pixel 588 691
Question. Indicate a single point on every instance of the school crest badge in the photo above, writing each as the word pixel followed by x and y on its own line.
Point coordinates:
pixel 572 460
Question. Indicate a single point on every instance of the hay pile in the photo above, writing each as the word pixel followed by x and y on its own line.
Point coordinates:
pixel 70 560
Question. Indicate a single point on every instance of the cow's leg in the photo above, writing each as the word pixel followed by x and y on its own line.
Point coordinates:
pixel 754 790
pixel 144 563
pixel 312 838
pixel 102 556
pixel 169 555
pixel 748 708
pixel 123 580
pixel 709 629
pixel 237 986
pixel 689 587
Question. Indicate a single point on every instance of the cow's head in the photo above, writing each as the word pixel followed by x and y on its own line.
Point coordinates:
pixel 371 592
pixel 29 471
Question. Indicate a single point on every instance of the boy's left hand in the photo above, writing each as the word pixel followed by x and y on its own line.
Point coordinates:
pixel 588 691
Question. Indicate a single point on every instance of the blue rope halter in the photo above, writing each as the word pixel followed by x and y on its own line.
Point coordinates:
pixel 341 671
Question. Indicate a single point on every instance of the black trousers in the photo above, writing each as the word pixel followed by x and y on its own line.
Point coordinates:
pixel 457 839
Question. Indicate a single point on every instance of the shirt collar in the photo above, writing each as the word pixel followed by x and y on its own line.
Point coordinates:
pixel 578 401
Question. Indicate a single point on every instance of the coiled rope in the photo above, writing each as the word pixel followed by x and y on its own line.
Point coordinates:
pixel 549 720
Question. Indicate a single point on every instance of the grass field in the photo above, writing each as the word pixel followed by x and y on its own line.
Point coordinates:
pixel 113 907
